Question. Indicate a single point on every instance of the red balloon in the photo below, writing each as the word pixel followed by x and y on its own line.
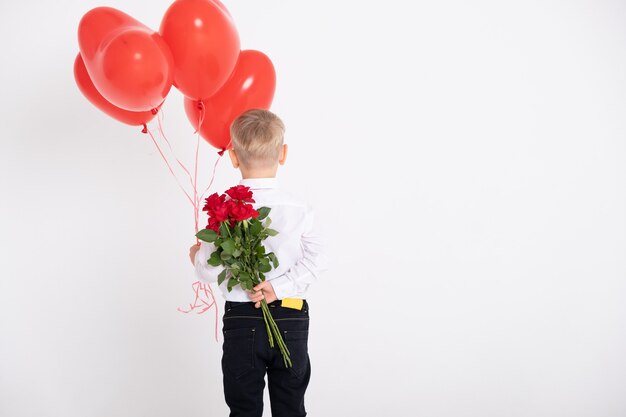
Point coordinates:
pixel 251 86
pixel 205 44
pixel 130 64
pixel 89 90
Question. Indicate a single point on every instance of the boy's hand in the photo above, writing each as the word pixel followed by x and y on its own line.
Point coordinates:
pixel 192 252
pixel 263 290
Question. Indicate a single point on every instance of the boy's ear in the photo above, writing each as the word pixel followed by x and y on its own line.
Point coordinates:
pixel 233 158
pixel 283 154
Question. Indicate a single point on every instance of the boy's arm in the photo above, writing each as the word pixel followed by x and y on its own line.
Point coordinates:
pixel 205 272
pixel 308 269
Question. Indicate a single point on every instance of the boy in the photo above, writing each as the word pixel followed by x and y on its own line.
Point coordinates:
pixel 258 149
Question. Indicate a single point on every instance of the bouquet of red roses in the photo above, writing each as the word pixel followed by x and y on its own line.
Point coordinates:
pixel 237 230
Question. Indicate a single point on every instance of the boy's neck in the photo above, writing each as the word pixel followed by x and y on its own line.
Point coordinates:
pixel 258 173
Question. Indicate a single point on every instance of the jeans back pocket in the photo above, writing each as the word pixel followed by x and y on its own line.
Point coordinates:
pixel 297 343
pixel 238 351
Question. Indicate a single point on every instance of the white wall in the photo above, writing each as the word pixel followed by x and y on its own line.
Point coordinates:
pixel 467 159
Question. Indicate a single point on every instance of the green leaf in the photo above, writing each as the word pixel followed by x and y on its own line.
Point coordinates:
pixel 271 232
pixel 221 277
pixel 224 229
pixel 225 256
pixel 256 228
pixel 264 265
pixel 207 235
pixel 260 249
pixel 268 222
pixel 215 259
pixel 263 212
pixel 273 258
pixel 229 246
pixel 231 283
pixel 237 253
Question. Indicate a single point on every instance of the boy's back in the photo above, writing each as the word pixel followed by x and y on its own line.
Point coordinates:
pixel 298 245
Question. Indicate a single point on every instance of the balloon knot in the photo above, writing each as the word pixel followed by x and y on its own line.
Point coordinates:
pixel 200 105
pixel 145 129
pixel 154 111
pixel 221 153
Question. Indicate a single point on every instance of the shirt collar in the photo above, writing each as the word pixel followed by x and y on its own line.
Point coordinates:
pixel 258 183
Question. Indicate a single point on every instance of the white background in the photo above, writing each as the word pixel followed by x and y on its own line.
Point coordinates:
pixel 466 160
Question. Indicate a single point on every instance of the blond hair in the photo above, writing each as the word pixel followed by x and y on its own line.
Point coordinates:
pixel 257 137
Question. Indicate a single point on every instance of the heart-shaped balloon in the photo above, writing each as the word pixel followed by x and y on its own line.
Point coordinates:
pixel 250 86
pixel 91 93
pixel 205 44
pixel 129 64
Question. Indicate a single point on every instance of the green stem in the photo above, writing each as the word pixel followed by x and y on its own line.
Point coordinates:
pixel 273 331
pixel 265 309
pixel 281 343
pixel 279 338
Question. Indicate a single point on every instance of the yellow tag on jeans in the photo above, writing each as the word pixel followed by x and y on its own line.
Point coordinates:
pixel 296 303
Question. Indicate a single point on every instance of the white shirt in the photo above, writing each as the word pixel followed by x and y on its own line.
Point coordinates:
pixel 299 247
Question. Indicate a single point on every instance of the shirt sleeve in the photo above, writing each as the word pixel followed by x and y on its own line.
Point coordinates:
pixel 205 272
pixel 308 269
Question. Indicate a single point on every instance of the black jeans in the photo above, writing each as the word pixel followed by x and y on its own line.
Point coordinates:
pixel 247 356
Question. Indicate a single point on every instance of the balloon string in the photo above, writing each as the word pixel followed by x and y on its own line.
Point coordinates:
pixel 168 165
pixel 201 289
pixel 193 181
pixel 200 107
pixel 212 176
pixel 196 209
pixel 172 150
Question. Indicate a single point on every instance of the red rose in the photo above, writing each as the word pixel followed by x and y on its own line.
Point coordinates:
pixel 238 211
pixel 229 204
pixel 242 211
pixel 214 225
pixel 213 201
pixel 240 192
pixel 220 213
pixel 234 209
